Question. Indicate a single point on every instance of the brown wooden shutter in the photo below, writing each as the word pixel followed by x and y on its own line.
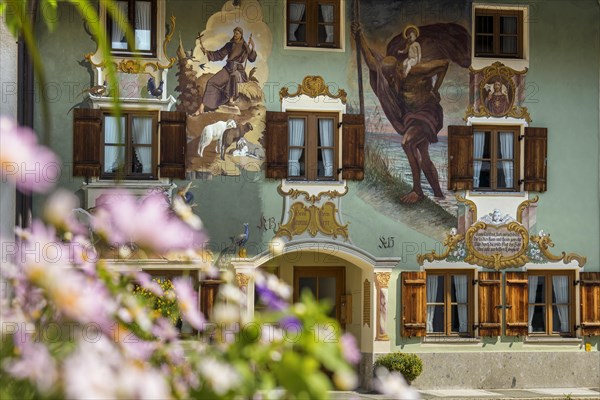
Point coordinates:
pixel 517 302
pixel 490 303
pixel 208 297
pixel 536 149
pixel 414 303
pixel 460 157
pixel 173 144
pixel 353 146
pixel 87 142
pixel 590 303
pixel 277 145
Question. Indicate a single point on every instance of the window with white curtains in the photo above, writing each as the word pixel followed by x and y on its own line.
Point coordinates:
pixel 140 17
pixel 495 158
pixel 313 23
pixel 449 302
pixel 130 145
pixel 312 146
pixel 550 300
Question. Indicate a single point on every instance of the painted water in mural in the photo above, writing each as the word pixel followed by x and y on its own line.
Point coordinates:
pixel 220 84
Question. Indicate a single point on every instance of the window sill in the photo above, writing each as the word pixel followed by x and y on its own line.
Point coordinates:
pixel 452 340
pixel 552 340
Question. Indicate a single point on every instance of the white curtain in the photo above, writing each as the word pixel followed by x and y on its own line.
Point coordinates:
pixel 142 134
pixel 479 143
pixel 506 149
pixel 326 138
pixel 296 138
pixel 327 11
pixel 114 156
pixel 532 284
pixel 460 285
pixel 432 286
pixel 117 34
pixel 296 13
pixel 143 25
pixel 560 285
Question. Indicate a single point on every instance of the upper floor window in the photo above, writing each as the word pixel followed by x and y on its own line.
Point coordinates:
pixel 313 23
pixel 313 146
pixel 488 158
pixel 136 145
pixel 495 158
pixel 130 145
pixel 498 33
pixel 308 146
pixel 141 17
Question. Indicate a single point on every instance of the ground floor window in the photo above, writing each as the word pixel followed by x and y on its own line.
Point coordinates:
pixel 549 302
pixel 449 300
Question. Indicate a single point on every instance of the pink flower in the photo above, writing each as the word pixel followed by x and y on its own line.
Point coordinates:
pixel 147 222
pixel 31 167
pixel 187 299
pixel 147 283
pixel 349 348
pixel 35 363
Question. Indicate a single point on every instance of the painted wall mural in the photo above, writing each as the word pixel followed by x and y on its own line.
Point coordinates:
pixel 220 88
pixel 416 83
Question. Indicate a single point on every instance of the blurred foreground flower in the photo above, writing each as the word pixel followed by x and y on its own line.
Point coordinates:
pixel 29 166
pixel 393 384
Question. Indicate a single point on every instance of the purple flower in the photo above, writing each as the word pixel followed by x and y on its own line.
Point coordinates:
pixel 31 167
pixel 350 350
pixel 187 299
pixel 35 363
pixel 290 322
pixel 147 222
pixel 272 293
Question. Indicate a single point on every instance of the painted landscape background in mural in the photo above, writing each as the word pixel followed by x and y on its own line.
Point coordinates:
pixel 433 90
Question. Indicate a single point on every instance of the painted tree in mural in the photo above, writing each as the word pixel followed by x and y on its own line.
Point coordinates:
pixel 187 83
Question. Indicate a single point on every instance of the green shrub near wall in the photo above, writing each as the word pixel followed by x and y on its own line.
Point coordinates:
pixel 409 365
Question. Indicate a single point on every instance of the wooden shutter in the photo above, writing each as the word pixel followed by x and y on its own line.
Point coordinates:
pixel 173 144
pixel 536 148
pixel 460 157
pixel 87 142
pixel 590 303
pixel 517 302
pixel 277 145
pixel 490 303
pixel 414 303
pixel 353 146
pixel 208 297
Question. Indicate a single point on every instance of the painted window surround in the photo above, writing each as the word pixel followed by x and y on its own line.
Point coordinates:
pixel 317 104
pixel 508 121
pixel 342 48
pixel 516 64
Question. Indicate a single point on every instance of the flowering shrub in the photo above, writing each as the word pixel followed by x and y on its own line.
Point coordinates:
pixel 161 298
pixel 72 327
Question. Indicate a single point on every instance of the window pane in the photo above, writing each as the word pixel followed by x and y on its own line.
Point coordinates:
pixel 458 289
pixel 508 45
pixel 143 25
pixel 435 288
pixel 142 130
pixel 508 25
pixel 536 285
pixel 114 130
pixel 459 320
pixel 118 40
pixel 505 145
pixel 538 319
pixel 560 289
pixel 484 44
pixel 308 283
pixel 435 319
pixel 297 24
pixel 325 163
pixel 141 161
pixel 114 158
pixel 296 152
pixel 326 27
pixel 484 180
pixel 504 174
pixel 484 24
pixel 560 318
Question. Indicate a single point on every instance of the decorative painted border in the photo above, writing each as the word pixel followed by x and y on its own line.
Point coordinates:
pixel 295 193
pixel 313 86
